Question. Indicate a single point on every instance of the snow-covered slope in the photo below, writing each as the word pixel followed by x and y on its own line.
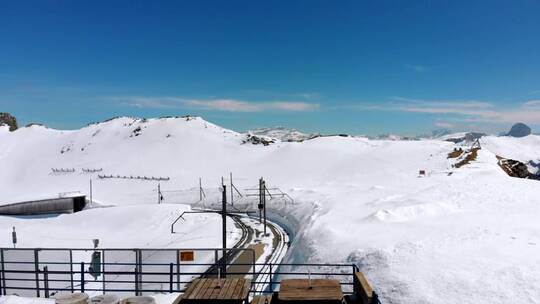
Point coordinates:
pixel 467 237
pixel 523 149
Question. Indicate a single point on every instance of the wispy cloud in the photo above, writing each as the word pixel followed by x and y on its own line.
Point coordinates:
pixel 467 110
pixel 446 125
pixel 225 105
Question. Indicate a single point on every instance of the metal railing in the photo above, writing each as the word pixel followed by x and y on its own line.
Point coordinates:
pixel 45 272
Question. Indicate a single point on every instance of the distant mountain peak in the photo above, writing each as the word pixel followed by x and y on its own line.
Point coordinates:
pixel 519 130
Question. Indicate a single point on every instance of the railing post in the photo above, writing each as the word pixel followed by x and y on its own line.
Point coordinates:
pixel 71 271
pixel 103 262
pixel 1 278
pixel 178 270
pixel 139 272
pixel 46 281
pixel 216 260
pixel 271 280
pixel 136 282
pixel 82 276
pixel 3 273
pixel 171 277
pixel 36 269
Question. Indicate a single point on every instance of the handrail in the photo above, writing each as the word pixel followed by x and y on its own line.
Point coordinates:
pixel 25 274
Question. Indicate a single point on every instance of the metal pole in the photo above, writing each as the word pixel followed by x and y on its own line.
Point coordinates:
pixel 91 201
pixel 46 280
pixel 103 269
pixel 171 277
pixel 71 270
pixel 270 274
pixel 140 285
pixel 36 265
pixel 82 276
pixel 3 273
pixel 224 223
pixel 264 203
pixel 232 200
pixel 136 281
pixel 260 200
pixel 178 270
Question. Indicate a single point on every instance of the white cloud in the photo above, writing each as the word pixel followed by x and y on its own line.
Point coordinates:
pixel 468 110
pixel 532 103
pixel 225 105
pixel 446 125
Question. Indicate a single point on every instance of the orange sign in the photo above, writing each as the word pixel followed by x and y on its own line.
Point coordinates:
pixel 187 256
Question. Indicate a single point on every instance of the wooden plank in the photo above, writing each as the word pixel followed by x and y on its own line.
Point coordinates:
pixel 262 299
pixel 362 288
pixel 195 284
pixel 202 290
pixel 231 289
pixel 237 294
pixel 221 284
pixel 223 291
pixel 205 294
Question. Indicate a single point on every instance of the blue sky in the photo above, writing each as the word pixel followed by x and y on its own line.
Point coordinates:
pixel 359 67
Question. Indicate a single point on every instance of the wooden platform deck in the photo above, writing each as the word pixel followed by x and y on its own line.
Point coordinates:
pixel 217 291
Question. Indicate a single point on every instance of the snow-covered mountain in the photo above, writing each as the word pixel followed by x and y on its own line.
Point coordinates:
pixel 467 235
pixel 283 134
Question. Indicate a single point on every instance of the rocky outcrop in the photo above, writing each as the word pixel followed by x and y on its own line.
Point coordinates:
pixel 258 139
pixel 519 130
pixel 516 168
pixel 8 119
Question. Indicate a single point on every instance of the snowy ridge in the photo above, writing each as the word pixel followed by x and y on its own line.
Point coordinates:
pixel 283 134
pixel 466 237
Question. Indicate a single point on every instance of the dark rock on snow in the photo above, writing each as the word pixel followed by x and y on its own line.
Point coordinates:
pixel 8 119
pixel 516 168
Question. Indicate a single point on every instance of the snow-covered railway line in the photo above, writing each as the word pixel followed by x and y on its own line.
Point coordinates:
pixel 268 270
pixel 269 249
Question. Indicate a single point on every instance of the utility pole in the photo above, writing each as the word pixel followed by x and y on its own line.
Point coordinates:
pixel 224 227
pixel 264 202
pixel 260 206
pixel 232 200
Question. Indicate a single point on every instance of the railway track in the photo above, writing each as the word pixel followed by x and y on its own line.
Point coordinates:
pixel 247 235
